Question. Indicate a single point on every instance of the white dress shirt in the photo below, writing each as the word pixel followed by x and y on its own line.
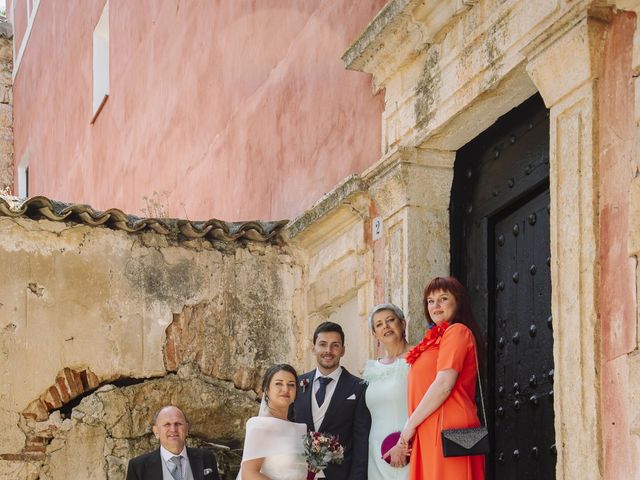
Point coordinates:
pixel 318 412
pixel 169 465
pixel 331 387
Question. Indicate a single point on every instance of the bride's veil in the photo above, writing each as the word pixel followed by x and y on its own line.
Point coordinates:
pixel 262 412
pixel 264 409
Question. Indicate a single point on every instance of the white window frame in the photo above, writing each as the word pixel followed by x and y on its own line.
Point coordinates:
pixel 101 62
pixel 32 10
pixel 23 177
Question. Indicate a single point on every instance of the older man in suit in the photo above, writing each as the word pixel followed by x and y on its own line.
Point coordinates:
pixel 331 400
pixel 173 460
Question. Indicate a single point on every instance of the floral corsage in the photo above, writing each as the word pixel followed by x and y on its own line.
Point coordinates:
pixel 431 339
pixel 304 383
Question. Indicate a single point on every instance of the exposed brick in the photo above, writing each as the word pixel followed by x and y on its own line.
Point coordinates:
pixel 52 399
pixel 16 457
pixel 74 382
pixel 182 334
pixel 35 449
pixel 37 410
pixel 35 444
pixel 69 384
pixel 93 380
pixel 63 389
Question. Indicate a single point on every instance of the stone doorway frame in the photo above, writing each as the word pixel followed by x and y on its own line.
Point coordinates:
pixel 416 52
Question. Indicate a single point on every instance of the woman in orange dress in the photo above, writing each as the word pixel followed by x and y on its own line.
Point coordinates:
pixel 442 384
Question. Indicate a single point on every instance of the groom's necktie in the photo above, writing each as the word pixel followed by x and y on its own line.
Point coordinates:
pixel 322 389
pixel 177 471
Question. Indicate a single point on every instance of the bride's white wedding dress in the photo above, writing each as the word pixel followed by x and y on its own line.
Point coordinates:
pixel 280 443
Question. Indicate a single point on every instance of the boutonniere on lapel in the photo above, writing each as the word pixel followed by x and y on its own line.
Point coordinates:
pixel 304 383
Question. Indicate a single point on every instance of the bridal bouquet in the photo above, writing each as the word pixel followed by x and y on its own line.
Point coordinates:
pixel 320 449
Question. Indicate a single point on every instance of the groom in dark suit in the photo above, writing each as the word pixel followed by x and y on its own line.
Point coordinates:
pixel 173 460
pixel 331 400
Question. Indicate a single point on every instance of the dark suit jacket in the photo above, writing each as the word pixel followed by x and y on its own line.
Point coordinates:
pixel 149 465
pixel 348 420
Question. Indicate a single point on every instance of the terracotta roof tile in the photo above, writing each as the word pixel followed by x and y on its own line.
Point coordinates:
pixel 42 207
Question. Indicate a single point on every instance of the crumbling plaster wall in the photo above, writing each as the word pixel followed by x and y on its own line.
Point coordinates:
pixel 84 308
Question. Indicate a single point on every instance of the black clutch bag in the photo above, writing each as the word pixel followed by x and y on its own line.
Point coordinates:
pixel 459 442
pixel 465 441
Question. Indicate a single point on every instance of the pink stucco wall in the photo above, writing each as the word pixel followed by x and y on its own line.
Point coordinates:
pixel 617 302
pixel 230 109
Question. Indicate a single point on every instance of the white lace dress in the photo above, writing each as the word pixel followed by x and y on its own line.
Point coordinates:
pixel 279 442
pixel 386 399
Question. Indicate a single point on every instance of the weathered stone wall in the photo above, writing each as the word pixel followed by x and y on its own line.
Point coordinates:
pixel 6 106
pixel 99 328
pixel 449 69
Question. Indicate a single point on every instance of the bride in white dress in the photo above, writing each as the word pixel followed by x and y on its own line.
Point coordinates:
pixel 273 446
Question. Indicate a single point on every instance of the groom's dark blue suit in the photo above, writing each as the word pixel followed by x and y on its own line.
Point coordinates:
pixel 347 418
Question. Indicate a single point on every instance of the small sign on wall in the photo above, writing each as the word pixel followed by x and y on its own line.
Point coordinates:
pixel 377 228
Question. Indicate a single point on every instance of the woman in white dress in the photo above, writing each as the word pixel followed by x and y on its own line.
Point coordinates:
pixel 386 394
pixel 273 446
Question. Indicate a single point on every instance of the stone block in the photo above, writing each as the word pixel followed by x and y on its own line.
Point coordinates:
pixel 82 452
pixel 567 63
pixel 335 251
pixel 6 115
pixel 13 437
pixel 617 410
pixel 393 93
pixel 6 175
pixel 399 178
pixel 6 78
pixel 6 95
pixel 20 469
pixel 6 50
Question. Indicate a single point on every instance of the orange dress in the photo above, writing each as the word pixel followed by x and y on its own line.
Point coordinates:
pixel 454 349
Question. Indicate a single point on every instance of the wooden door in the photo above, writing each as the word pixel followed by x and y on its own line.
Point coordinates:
pixel 500 250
